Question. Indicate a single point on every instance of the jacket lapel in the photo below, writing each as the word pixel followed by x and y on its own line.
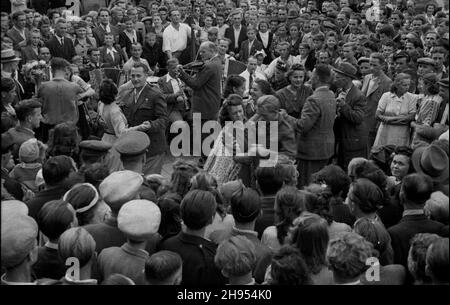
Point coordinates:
pixel 141 99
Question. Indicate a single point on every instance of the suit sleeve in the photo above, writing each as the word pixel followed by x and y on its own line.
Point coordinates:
pixel 96 36
pixel 310 114
pixel 356 113
pixel 171 98
pixel 160 109
pixel 199 80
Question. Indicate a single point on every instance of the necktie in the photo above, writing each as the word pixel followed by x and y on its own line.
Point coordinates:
pixel 61 40
pixel 250 82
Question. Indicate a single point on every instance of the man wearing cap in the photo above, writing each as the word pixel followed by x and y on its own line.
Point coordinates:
pixel 415 191
pixel 138 220
pixel 349 127
pixel 132 147
pixel 19 248
pixel 316 142
pixel 93 151
pixel 441 123
pixel 425 65
pixel 10 69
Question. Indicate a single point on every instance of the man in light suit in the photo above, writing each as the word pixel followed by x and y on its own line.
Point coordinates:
pixel 315 126
pixel 374 85
pixel 251 75
pixel 18 33
pixel 59 45
pixel 349 127
pixel 237 33
pixel 144 102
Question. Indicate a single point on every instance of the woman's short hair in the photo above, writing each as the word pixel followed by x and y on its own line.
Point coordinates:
pixel 56 169
pixel 264 86
pixel 371 171
pixel 108 91
pixel 417 255
pixel 197 209
pixel 236 256
pixel 64 140
pixel 231 100
pixel 366 195
pixel 289 268
pixel 84 198
pixel 335 179
pixel 181 177
pixel 310 236
pixel 54 218
pixel 233 81
pixel 437 260
pixel 375 232
pixel 398 78
pixel 170 217
pixel 431 83
pixel 347 255
pixel 77 243
pixel 268 180
pixel 294 68
pixel 161 266
pixel 95 173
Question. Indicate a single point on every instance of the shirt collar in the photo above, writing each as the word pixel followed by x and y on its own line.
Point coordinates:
pixel 5 282
pixel 169 78
pixel 413 212
pixel 86 282
pixel 245 232
pixel 136 252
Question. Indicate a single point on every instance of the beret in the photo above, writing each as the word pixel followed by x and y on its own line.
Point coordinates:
pixel 29 151
pixel 95 146
pixel 13 207
pixel 400 54
pixel 139 219
pixel 132 143
pixel 19 237
pixel 120 187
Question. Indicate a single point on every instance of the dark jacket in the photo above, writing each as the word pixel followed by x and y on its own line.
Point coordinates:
pixel 349 128
pixel 382 85
pixel 12 186
pixel 49 264
pixel 316 140
pixel 154 55
pixel 67 51
pixel 229 33
pixel 268 59
pixel 41 198
pixel 310 62
pixel 106 61
pixel 206 86
pixel 99 34
pixel 126 43
pixel 28 54
pixel 16 37
pixel 169 96
pixel 267 216
pixel 197 254
pixel 402 233
pixel 152 107
pixel 244 54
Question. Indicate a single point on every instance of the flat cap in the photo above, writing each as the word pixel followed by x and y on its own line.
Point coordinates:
pixel 426 61
pixel 444 82
pixel 94 147
pixel 132 143
pixel 19 237
pixel 328 24
pixel 120 187
pixel 139 219
pixel 400 54
pixel 13 207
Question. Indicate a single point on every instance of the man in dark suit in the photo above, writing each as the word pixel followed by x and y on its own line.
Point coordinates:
pixel 146 103
pixel 18 33
pixel 237 33
pixel 373 87
pixel 59 45
pixel 351 135
pixel 104 27
pixel 416 190
pixel 249 46
pixel 315 126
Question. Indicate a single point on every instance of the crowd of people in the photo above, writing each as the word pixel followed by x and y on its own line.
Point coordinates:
pixel 92 105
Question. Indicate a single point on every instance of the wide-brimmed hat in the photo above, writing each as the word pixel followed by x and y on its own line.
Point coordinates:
pixel 8 55
pixel 432 161
pixel 346 69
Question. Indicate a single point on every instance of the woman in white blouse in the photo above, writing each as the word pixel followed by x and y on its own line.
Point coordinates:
pixel 396 110
pixel 115 121
pixel 265 36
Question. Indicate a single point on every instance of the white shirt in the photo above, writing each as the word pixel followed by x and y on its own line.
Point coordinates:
pixel 264 38
pixel 236 36
pixel 174 83
pixel 270 71
pixel 111 52
pixel 176 40
pixel 246 75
